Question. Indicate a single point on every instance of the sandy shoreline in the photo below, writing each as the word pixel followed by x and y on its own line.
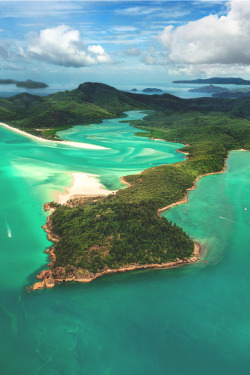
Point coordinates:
pixel 65 143
pixel 84 185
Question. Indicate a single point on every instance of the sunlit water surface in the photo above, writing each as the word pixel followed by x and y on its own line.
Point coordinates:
pixel 185 321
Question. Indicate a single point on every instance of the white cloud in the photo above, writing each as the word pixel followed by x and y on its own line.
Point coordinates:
pixel 123 28
pixel 213 39
pixel 63 46
pixel 11 57
pixel 137 10
pixel 38 8
pixel 149 59
pixel 160 9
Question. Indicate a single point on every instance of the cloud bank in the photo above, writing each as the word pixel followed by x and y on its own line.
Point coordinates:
pixel 63 46
pixel 211 40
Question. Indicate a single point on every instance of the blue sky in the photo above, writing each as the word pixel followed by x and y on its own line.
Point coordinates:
pixel 123 41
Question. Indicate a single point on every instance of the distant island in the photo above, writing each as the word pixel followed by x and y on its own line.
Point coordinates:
pixel 243 92
pixel 134 90
pixel 28 84
pixel 217 80
pixel 223 92
pixel 210 89
pixel 152 90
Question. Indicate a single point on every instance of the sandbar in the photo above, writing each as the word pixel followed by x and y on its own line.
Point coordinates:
pixel 84 185
pixel 66 143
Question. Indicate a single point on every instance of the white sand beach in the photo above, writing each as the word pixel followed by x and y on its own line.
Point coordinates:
pixel 66 143
pixel 84 184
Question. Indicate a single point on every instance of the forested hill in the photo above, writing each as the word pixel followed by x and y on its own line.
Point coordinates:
pixel 92 102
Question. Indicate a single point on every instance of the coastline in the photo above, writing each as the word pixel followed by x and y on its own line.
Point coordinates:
pixel 185 198
pixel 123 181
pixel 84 185
pixel 65 143
pixel 48 280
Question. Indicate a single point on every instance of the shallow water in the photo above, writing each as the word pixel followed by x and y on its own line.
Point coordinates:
pixel 190 320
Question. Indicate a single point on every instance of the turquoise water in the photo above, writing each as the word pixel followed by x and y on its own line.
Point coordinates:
pixel 185 321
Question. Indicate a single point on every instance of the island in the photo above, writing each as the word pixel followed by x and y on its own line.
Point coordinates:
pixel 211 89
pixel 152 90
pixel 243 92
pixel 99 235
pixel 217 81
pixel 28 84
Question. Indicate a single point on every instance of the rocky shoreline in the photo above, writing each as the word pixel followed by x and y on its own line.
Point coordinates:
pixel 49 278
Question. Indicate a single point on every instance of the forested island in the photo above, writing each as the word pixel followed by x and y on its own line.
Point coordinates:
pixel 223 92
pixel 217 80
pixel 124 230
pixel 28 84
pixel 210 89
pixel 148 89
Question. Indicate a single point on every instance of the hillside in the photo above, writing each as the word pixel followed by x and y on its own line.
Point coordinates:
pixel 90 102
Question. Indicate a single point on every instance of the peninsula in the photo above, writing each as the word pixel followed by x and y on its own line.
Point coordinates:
pixel 125 231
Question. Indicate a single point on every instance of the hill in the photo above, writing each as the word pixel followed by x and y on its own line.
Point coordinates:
pixel 218 81
pixel 92 102
pixel 209 89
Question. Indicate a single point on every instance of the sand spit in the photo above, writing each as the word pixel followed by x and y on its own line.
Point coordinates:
pixel 65 143
pixel 84 185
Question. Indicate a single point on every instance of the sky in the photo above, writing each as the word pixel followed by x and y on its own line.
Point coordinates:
pixel 123 42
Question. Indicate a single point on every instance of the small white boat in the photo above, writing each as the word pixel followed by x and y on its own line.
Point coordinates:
pixel 8 229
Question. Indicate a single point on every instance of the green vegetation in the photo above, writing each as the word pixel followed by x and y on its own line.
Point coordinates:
pixel 90 103
pixel 112 233
pixel 125 229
